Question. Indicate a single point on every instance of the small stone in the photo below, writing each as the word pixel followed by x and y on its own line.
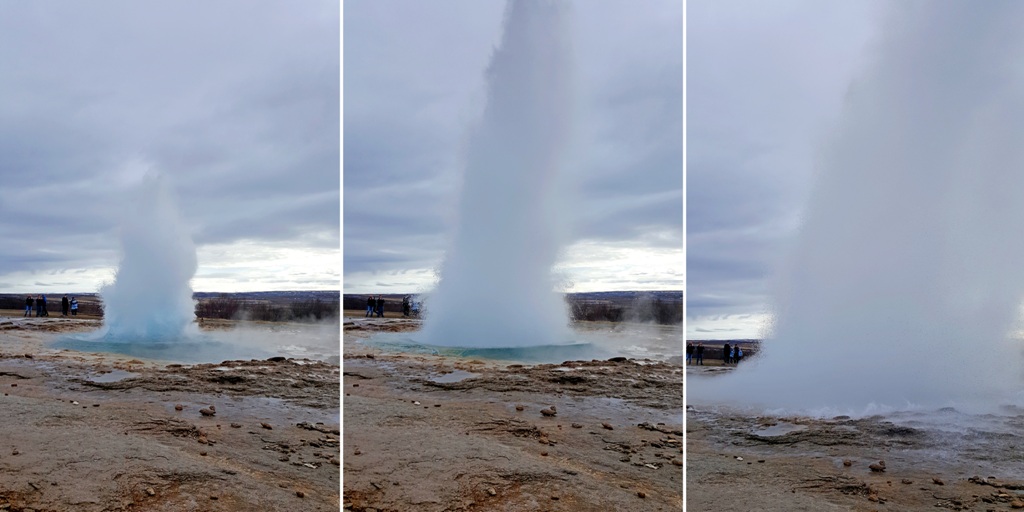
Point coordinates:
pixel 266 426
pixel 577 425
pixel 150 491
pixel 355 385
pixel 335 461
pixel 207 411
pixel 300 494
pixel 607 426
pixel 520 408
pixel 624 459
pixel 1017 504
pixel 14 385
pixel 556 498
pixel 543 454
pixel 877 467
pixel 415 402
pixel 283 458
pixel 437 405
pixel 178 407
pixel 550 411
pixel 214 497
pixel 906 481
pixel 203 440
pixel 641 494
pixel 15 452
pixel 236 425
pixel 873 498
pixel 679 462
pixel 203 454
pixel 847 462
pixel 739 458
pixel 357 452
pixel 938 481
pixel 491 491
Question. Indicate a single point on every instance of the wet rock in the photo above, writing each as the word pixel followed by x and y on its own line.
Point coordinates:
pixel 877 467
pixel 520 408
pixel 178 407
pixel 577 425
pixel 202 454
pixel 679 462
pixel 266 426
pixel 607 426
pixel 938 481
pixel 906 481
pixel 236 425
pixel 550 411
pixel 641 494
pixel 543 454
pixel 208 411
pixel 847 462
pixel 300 494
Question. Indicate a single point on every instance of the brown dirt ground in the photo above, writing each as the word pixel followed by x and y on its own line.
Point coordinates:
pixel 69 441
pixel 734 464
pixel 414 443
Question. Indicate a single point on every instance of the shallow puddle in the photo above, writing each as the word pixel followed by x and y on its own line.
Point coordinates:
pixel 455 376
pixel 113 376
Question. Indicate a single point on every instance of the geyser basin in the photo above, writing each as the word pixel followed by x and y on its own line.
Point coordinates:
pixel 197 349
pixel 638 341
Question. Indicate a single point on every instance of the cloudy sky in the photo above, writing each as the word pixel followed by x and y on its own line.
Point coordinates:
pixel 765 84
pixel 235 102
pixel 414 82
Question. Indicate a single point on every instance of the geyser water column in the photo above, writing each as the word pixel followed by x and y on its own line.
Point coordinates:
pixel 151 296
pixel 906 282
pixel 495 287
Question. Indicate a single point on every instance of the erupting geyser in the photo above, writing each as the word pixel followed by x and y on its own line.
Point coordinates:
pixel 151 296
pixel 496 288
pixel 905 286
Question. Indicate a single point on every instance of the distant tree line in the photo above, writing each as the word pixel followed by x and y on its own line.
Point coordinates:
pixel 229 308
pixel 643 310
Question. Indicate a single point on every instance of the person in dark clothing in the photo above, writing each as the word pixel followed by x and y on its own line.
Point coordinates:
pixel 64 304
pixel 689 352
pixel 738 355
pixel 727 354
pixel 405 306
pixel 700 354
pixel 371 304
pixel 39 306
pixel 45 312
pixel 74 306
pixel 28 305
pixel 380 306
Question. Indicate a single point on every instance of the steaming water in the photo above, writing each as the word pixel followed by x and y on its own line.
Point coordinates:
pixel 496 289
pixel 906 280
pixel 149 311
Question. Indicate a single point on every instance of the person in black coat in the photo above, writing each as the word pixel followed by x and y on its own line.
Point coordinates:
pixel 64 306
pixel 727 354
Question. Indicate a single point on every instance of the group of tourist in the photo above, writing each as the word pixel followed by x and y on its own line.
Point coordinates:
pixel 66 306
pixel 730 354
pixel 375 306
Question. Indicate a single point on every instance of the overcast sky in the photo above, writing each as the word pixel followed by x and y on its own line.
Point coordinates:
pixel 236 102
pixel 414 81
pixel 765 84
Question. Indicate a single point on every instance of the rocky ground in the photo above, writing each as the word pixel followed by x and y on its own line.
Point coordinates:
pixel 876 463
pixel 101 432
pixel 436 433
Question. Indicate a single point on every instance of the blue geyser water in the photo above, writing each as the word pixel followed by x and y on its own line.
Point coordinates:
pixel 496 289
pixel 905 284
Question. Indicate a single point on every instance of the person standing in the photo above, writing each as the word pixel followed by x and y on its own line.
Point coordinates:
pixel 726 354
pixel 405 306
pixel 28 305
pixel 64 305
pixel 700 353
pixel 370 305
pixel 74 306
pixel 689 352
pixel 380 306
pixel 739 354
pixel 45 312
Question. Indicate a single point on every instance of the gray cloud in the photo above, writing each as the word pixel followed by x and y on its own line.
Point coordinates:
pixel 765 83
pixel 236 102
